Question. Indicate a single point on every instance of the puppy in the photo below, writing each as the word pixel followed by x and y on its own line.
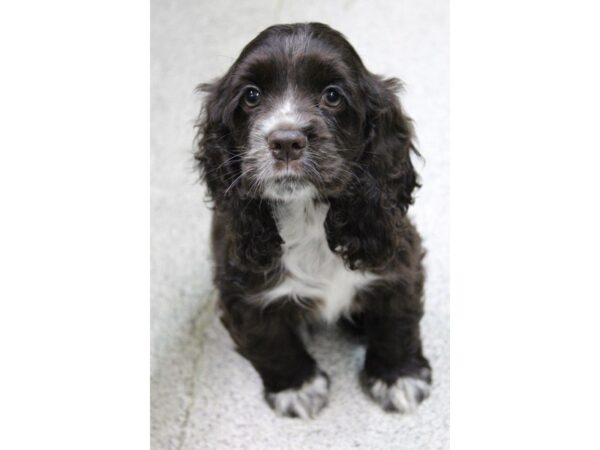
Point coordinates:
pixel 306 157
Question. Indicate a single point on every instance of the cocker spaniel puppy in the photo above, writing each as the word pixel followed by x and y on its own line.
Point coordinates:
pixel 306 156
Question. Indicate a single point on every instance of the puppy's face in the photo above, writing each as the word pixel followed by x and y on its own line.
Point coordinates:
pixel 297 113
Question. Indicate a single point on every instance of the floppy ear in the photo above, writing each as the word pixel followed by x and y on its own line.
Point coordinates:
pixel 363 223
pixel 218 161
pixel 251 224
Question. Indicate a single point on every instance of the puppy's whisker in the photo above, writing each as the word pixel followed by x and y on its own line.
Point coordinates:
pixel 233 184
pixel 231 159
pixel 310 167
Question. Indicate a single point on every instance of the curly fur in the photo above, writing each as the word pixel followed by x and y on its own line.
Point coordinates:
pixel 358 164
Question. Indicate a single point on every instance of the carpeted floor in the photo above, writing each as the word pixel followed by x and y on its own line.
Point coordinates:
pixel 204 395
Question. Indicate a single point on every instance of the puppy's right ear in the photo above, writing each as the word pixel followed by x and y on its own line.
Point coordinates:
pixel 217 158
pixel 256 239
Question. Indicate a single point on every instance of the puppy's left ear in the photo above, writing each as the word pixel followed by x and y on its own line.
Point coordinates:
pixel 364 222
pixel 390 143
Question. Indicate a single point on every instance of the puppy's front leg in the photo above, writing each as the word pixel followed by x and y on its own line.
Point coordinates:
pixel 268 338
pixel 396 374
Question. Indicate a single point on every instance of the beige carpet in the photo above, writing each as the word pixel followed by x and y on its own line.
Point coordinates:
pixel 204 395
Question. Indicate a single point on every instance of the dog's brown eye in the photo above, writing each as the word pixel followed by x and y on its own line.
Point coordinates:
pixel 332 97
pixel 252 97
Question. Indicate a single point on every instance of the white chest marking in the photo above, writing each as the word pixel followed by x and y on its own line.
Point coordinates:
pixel 312 270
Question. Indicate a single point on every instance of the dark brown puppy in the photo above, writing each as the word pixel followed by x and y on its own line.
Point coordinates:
pixel 306 156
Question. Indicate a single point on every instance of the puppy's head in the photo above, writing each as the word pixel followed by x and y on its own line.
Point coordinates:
pixel 298 115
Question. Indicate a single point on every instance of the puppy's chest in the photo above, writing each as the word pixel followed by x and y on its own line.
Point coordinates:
pixel 311 270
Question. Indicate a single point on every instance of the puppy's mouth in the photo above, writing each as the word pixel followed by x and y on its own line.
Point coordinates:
pixel 290 179
pixel 289 173
pixel 288 169
pixel 288 185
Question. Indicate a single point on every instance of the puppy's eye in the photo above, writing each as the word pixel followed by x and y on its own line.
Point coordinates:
pixel 331 97
pixel 252 97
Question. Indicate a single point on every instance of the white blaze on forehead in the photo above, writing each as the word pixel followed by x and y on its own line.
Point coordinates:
pixel 284 115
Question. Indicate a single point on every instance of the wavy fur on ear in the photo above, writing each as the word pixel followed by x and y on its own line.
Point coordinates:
pixel 362 223
pixel 218 159
pixel 252 227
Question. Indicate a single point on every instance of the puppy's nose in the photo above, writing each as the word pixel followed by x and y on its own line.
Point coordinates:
pixel 287 145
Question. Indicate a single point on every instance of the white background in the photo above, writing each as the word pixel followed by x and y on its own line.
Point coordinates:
pixel 74 236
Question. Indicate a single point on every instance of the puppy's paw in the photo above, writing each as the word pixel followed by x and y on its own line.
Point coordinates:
pixel 403 395
pixel 304 402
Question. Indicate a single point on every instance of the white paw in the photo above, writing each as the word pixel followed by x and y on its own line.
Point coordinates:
pixel 403 396
pixel 304 402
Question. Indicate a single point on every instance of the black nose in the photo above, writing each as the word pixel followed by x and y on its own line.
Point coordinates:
pixel 287 145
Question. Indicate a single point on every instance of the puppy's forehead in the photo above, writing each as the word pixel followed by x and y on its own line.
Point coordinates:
pixel 298 59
